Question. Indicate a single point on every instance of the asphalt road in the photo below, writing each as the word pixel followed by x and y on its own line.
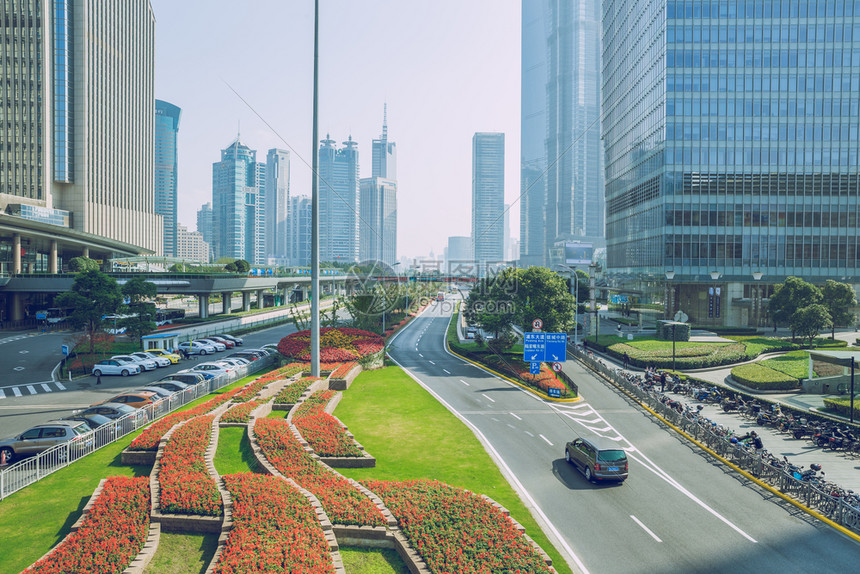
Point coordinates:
pixel 677 513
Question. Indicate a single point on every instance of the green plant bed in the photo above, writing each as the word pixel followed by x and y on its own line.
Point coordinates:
pixel 741 331
pixel 372 561
pixel 183 553
pixel 234 453
pixel 757 376
pixel 842 407
pixel 794 364
pixel 626 321
pixel 431 443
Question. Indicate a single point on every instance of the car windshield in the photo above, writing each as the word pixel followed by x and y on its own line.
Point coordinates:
pixel 611 455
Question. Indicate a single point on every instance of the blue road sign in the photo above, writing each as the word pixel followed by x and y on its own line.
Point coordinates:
pixel 534 368
pixel 556 347
pixel 543 347
pixel 554 393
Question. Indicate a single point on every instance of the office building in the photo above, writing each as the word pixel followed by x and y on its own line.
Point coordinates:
pixel 378 222
pixel 338 201
pixel 299 230
pixel 384 153
pixel 458 255
pixel 561 172
pixel 238 200
pixel 277 203
pixel 191 246
pixel 204 221
pixel 488 198
pixel 167 118
pixel 731 149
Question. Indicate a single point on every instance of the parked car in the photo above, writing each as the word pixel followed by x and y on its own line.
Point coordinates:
pixel 270 347
pixel 237 340
pixel 247 355
pixel 172 357
pixel 161 392
pixel 110 410
pixel 171 385
pixel 260 352
pixel 219 346
pixel 205 374
pixel 159 360
pixel 136 399
pixel 597 458
pixel 235 361
pixel 212 368
pixel 196 348
pixel 92 420
pixel 42 437
pixel 189 378
pixel 115 367
pixel 145 364
pixel 223 340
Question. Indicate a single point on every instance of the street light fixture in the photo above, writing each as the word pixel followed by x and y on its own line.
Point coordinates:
pixel 757 275
pixel 574 290
pixel 670 294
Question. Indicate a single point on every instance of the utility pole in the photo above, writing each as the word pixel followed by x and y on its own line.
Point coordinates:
pixel 315 211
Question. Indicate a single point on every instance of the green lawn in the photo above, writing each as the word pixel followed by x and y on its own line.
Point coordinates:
pixel 183 553
pixel 372 561
pixel 413 436
pixel 234 452
pixel 793 363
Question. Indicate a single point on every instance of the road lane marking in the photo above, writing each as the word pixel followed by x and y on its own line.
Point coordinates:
pixel 16 391
pixel 420 355
pixel 60 385
pixel 510 425
pixel 645 528
pixel 431 362
pixel 47 388
pixel 488 398
pixel 2 394
pixel 546 439
pixel 530 434
pixel 516 417
pixel 465 383
pixel 447 371
pixel 32 389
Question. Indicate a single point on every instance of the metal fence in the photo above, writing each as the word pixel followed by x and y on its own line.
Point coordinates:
pixel 808 493
pixel 30 470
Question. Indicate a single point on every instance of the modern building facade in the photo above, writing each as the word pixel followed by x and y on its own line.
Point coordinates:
pixel 338 201
pixel 458 255
pixel 277 203
pixel 384 153
pixel 238 204
pixel 166 159
pixel 378 222
pixel 488 199
pixel 731 140
pixel 299 229
pixel 204 221
pixel 561 175
pixel 191 246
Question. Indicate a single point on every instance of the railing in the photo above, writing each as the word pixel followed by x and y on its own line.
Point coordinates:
pixel 808 493
pixel 30 470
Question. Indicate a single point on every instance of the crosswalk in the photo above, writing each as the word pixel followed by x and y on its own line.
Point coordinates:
pixel 32 389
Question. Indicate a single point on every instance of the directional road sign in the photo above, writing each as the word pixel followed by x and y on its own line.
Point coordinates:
pixel 534 368
pixel 554 393
pixel 556 347
pixel 542 347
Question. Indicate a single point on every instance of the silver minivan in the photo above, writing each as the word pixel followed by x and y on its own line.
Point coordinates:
pixel 597 458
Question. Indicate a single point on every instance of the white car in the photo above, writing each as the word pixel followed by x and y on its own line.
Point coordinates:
pixel 217 344
pixel 196 348
pixel 211 368
pixel 115 367
pixel 159 360
pixel 145 364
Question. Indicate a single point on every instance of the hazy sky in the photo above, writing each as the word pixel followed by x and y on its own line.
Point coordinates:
pixel 447 68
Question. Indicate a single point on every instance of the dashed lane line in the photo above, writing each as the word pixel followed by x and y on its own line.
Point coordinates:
pixel 516 417
pixel 465 383
pixel 546 439
pixel 645 528
pixel 488 398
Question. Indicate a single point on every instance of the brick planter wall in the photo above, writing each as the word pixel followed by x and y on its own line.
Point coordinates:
pixel 138 457
pixel 344 383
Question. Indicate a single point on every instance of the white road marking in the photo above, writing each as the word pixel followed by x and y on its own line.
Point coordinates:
pixel 645 528
pixel 488 398
pixel 2 394
pixel 420 355
pixel 465 383
pixel 516 417
pixel 32 389
pixel 47 388
pixel 447 371
pixel 530 434
pixel 431 362
pixel 510 425
pixel 546 439
pixel 60 385
pixel 16 391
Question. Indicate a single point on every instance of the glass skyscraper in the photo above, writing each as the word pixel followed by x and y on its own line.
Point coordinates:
pixel 238 200
pixel 167 118
pixel 338 201
pixel 277 203
pixel 731 140
pixel 488 199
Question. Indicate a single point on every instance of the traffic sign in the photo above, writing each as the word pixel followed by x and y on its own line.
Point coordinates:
pixel 556 347
pixel 544 347
pixel 534 368
pixel 65 349
pixel 556 367
pixel 537 324
pixel 554 393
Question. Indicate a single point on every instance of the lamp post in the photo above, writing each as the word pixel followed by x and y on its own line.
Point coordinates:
pixel 714 310
pixel 574 290
pixel 315 214
pixel 757 275
pixel 670 294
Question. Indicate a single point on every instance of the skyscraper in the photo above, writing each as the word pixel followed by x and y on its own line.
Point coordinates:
pixel 488 198
pixel 338 201
pixel 277 202
pixel 384 153
pixel 204 221
pixel 378 222
pixel 238 192
pixel 731 148
pixel 78 124
pixel 562 157
pixel 300 231
pixel 167 171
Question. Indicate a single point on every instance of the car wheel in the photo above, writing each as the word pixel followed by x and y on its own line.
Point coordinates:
pixel 97 373
pixel 567 455
pixel 588 473
pixel 124 372
pixel 10 454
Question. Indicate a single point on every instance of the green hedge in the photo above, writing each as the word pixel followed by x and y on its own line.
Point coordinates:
pixel 681 331
pixel 759 377
pixel 843 407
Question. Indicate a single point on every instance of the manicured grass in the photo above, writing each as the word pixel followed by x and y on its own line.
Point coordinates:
pixel 758 376
pixel 757 345
pixel 413 436
pixel 183 553
pixel 372 561
pixel 277 415
pixel 793 363
pixel 234 452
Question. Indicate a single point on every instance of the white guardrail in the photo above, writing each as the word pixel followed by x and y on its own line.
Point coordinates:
pixel 33 469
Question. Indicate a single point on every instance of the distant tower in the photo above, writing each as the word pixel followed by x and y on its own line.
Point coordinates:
pixel 384 152
pixel 338 201
pixel 277 202
pixel 378 222
pixel 167 171
pixel 488 198
pixel 238 201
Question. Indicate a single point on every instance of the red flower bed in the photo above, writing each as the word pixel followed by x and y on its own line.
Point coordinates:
pixel 343 503
pixel 240 413
pixel 343 370
pixel 275 529
pixel 544 381
pixel 337 345
pixel 111 536
pixel 324 434
pixel 186 486
pixel 285 372
pixel 291 393
pixel 455 530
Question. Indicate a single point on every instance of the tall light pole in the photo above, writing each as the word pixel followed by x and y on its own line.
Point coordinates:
pixel 757 275
pixel 315 211
pixel 670 294
pixel 574 290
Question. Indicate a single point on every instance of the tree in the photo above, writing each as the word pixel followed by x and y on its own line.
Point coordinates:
pixel 809 321
pixel 543 294
pixel 490 305
pixel 141 319
pixel 78 264
pixel 788 297
pixel 839 299
pixel 242 266
pixel 93 296
pixel 231 267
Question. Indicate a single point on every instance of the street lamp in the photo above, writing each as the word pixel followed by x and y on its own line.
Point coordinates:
pixel 670 294
pixel 574 290
pixel 757 275
pixel 713 311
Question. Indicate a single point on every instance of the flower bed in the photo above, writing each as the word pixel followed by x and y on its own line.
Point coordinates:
pixel 455 530
pixel 185 485
pixel 343 370
pixel 240 413
pixel 337 344
pixel 544 381
pixel 114 531
pixel 322 431
pixel 343 503
pixel 252 389
pixel 285 372
pixel 275 529
pixel 291 393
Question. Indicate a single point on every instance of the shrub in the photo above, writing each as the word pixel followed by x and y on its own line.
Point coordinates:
pixel 682 331
pixel 336 344
pixel 291 393
pixel 763 378
pixel 843 407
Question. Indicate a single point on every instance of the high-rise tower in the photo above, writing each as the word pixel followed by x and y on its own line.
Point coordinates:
pixel 167 118
pixel 338 201
pixel 277 202
pixel 488 199
pixel 238 192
